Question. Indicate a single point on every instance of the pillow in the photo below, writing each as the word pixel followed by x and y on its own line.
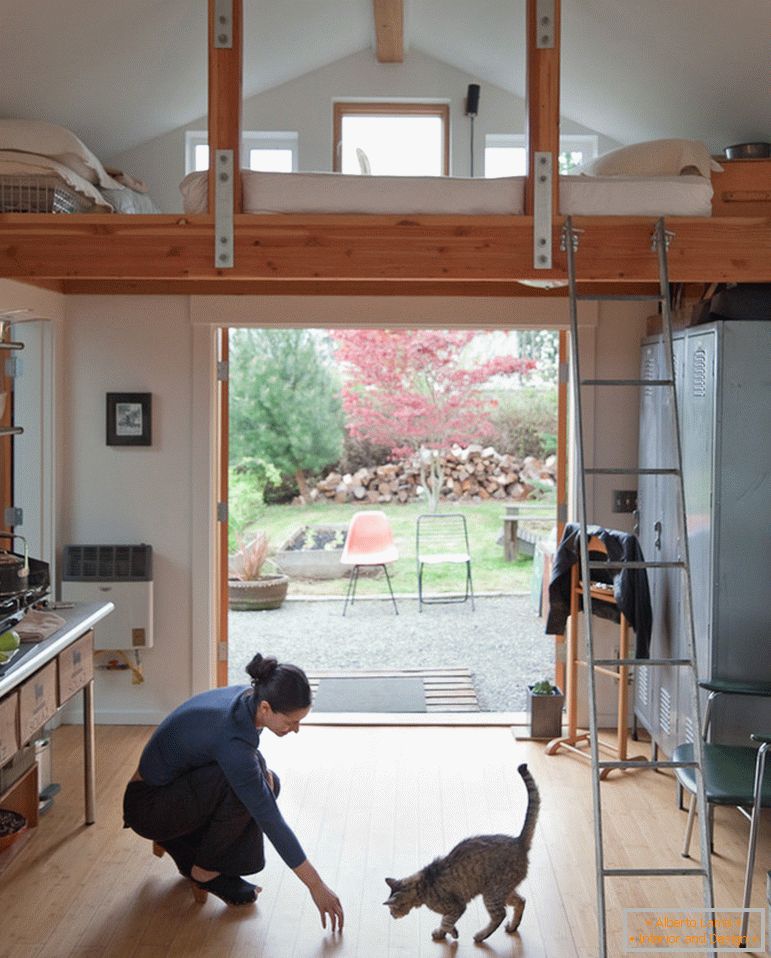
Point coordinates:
pixel 48 139
pixel 654 158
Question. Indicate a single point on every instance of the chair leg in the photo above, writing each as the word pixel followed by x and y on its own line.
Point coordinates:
pixel 420 587
pixel 686 852
pixel 470 586
pixel 351 593
pixel 754 822
pixel 388 580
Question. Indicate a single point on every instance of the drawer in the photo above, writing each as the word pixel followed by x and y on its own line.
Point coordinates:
pixel 9 727
pixel 37 701
pixel 76 667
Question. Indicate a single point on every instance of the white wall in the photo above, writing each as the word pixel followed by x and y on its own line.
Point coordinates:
pixel 304 106
pixel 114 494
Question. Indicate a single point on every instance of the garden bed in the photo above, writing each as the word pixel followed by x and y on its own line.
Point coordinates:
pixel 313 552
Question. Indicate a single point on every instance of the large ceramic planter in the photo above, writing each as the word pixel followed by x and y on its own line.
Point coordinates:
pixel 267 592
pixel 545 714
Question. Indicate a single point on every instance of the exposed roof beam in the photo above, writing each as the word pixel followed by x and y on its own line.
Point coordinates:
pixel 389 30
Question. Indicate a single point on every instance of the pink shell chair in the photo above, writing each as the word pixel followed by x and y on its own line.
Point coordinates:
pixel 369 542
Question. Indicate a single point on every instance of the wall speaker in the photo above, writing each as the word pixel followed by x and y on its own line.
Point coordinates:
pixel 472 99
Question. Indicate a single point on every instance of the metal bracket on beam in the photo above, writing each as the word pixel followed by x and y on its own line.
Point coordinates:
pixel 223 24
pixel 544 37
pixel 223 209
pixel 668 237
pixel 542 212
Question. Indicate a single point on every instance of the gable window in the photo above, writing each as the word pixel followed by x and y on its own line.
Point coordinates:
pixel 506 153
pixel 392 139
pixel 269 152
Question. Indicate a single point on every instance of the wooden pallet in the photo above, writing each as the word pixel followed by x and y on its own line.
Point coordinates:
pixel 447 690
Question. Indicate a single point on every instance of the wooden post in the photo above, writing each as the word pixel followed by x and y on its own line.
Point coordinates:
pixel 543 98
pixel 225 92
pixel 223 445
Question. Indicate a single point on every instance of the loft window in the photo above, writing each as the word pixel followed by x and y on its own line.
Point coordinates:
pixel 506 153
pixel 392 139
pixel 269 152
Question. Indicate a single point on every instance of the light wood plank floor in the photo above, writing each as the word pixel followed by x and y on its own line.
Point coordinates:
pixel 366 803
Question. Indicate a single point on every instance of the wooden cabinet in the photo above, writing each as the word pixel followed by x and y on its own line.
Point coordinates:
pixel 37 701
pixel 742 189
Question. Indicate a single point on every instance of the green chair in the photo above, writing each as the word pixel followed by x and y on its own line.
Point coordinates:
pixel 733 775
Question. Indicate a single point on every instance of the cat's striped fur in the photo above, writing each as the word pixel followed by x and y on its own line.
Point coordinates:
pixel 488 865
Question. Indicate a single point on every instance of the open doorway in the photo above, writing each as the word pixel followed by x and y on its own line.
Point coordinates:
pixel 315 388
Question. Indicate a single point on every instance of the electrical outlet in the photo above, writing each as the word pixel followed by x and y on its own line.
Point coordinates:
pixel 624 500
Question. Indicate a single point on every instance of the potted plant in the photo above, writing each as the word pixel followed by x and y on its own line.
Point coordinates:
pixel 249 588
pixel 545 703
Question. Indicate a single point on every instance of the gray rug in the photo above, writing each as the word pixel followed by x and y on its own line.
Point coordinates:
pixel 370 695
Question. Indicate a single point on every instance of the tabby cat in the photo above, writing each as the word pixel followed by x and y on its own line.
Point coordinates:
pixel 487 865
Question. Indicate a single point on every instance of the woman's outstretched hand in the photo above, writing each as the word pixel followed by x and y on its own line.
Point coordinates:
pixel 325 899
pixel 328 903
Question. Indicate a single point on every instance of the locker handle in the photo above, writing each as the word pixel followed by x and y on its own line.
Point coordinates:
pixel 657 528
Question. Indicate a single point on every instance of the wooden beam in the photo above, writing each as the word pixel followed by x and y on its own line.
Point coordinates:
pixel 225 81
pixel 543 98
pixel 320 287
pixel 386 249
pixel 389 30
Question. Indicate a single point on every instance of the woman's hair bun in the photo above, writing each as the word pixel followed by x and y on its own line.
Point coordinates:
pixel 261 669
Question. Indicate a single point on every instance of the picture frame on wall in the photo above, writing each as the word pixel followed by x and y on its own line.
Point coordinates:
pixel 129 419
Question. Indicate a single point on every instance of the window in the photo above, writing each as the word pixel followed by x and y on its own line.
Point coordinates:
pixel 270 152
pixel 506 153
pixel 392 139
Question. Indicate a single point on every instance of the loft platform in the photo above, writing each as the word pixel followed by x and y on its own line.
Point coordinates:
pixel 367 254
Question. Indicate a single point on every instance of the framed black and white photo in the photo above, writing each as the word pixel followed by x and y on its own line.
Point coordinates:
pixel 129 419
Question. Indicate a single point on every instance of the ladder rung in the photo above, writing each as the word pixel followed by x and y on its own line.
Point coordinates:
pixel 629 872
pixel 629 297
pixel 627 382
pixel 647 764
pixel 617 471
pixel 643 662
pixel 636 565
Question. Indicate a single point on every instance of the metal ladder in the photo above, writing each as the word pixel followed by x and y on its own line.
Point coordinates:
pixel 659 243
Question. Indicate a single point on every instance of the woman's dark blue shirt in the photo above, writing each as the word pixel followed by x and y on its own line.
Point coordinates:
pixel 218 726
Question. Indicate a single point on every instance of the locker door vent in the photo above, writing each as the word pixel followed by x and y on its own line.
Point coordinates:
pixel 665 711
pixel 700 373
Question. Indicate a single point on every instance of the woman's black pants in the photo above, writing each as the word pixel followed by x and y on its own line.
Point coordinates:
pixel 199 820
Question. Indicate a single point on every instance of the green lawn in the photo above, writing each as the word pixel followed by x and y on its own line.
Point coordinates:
pixel 491 573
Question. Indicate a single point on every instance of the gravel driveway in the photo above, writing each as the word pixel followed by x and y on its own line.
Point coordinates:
pixel 502 642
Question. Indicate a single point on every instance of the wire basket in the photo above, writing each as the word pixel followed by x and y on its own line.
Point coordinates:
pixel 21 193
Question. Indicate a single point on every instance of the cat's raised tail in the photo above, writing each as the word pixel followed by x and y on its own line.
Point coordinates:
pixel 533 804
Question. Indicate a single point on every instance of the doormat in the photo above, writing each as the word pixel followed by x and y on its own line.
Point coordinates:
pixel 370 695
pixel 444 689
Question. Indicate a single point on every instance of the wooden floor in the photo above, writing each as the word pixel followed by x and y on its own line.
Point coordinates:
pixel 366 803
pixel 446 690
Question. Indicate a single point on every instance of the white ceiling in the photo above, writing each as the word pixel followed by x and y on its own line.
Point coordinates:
pixel 122 72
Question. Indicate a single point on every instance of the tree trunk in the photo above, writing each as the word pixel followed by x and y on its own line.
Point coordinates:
pixel 302 485
pixel 433 482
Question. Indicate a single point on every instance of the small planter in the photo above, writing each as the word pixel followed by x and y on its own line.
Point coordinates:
pixel 545 713
pixel 253 595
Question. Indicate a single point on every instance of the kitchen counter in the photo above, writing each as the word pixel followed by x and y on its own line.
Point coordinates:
pixel 34 685
pixel 33 655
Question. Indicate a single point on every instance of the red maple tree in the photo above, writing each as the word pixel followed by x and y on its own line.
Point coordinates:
pixel 413 390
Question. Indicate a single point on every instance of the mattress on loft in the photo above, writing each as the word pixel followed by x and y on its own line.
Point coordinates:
pixel 312 193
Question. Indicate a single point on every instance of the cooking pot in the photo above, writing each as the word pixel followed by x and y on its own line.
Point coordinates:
pixel 748 151
pixel 14 569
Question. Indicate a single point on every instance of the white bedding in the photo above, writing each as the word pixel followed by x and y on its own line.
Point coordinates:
pixel 14 163
pixel 341 193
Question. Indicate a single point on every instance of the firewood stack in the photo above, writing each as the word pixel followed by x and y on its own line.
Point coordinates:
pixel 471 474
